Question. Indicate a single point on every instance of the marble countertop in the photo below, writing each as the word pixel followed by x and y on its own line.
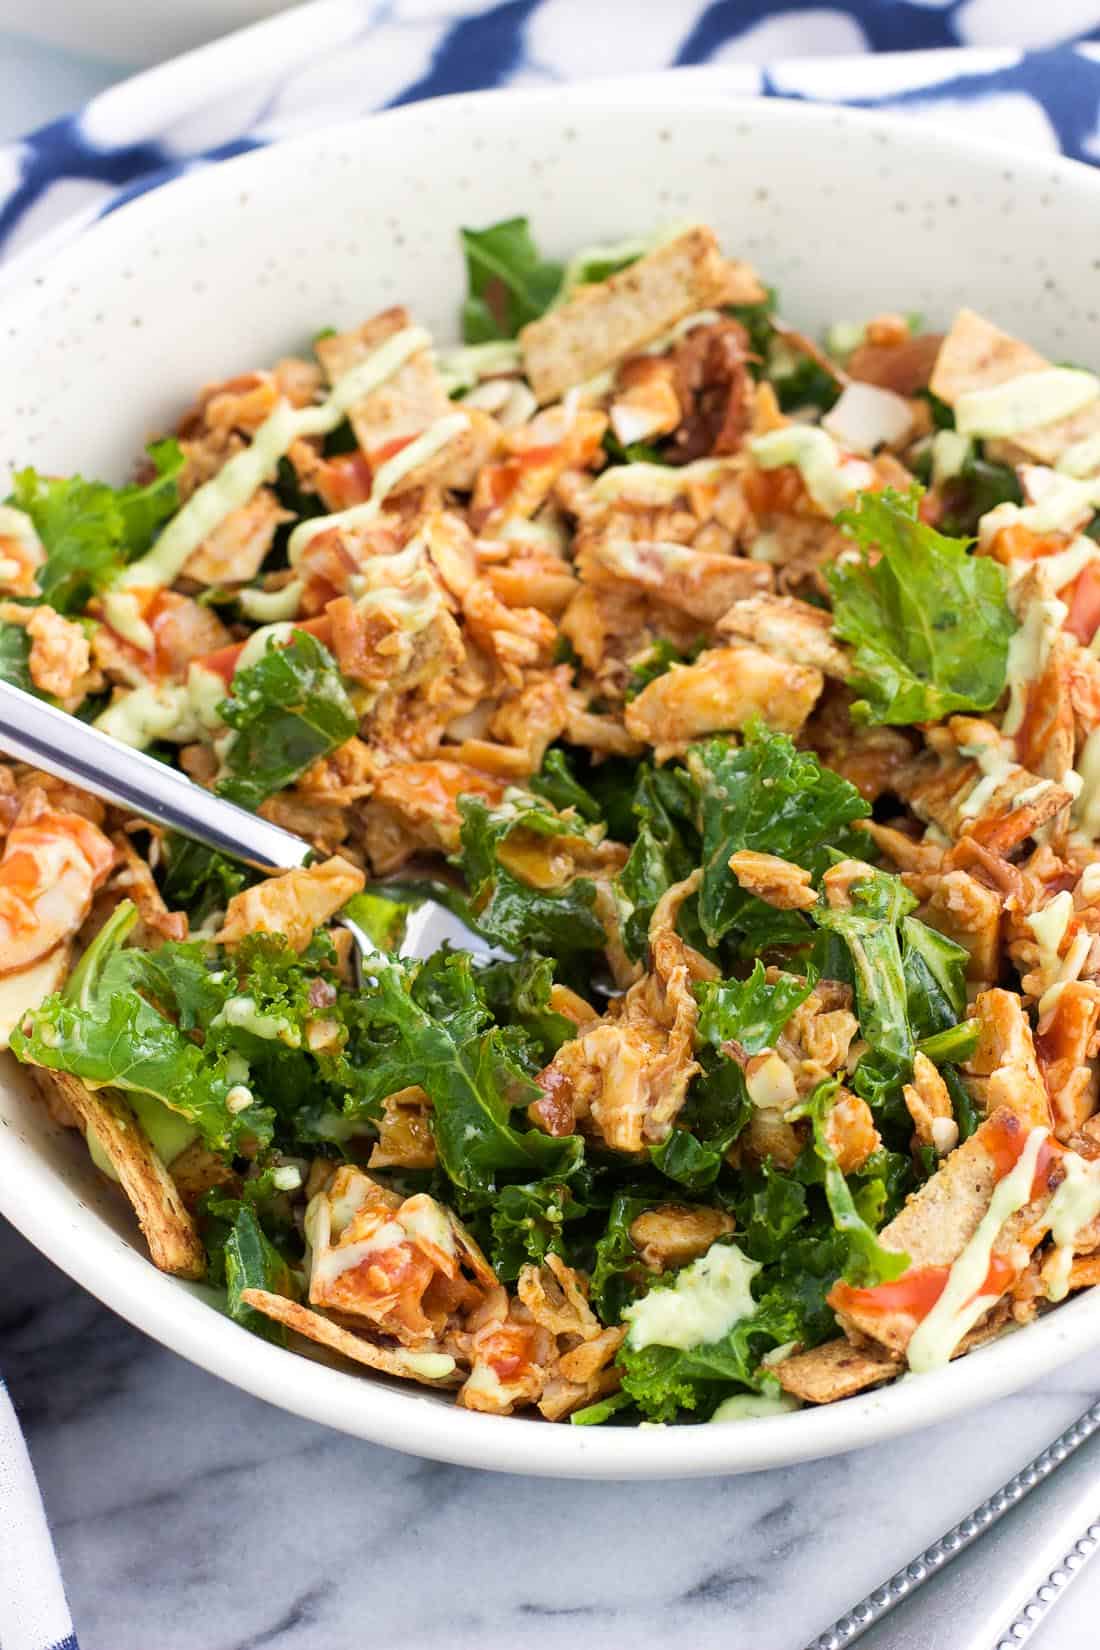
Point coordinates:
pixel 189 1516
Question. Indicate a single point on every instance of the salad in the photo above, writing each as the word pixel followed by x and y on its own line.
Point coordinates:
pixel 738 691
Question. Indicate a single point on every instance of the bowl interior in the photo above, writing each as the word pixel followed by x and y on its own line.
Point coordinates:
pixel 229 268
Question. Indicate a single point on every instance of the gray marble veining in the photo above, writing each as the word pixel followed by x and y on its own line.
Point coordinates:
pixel 189 1516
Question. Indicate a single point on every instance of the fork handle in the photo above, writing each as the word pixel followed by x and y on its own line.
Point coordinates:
pixel 989 1581
pixel 59 744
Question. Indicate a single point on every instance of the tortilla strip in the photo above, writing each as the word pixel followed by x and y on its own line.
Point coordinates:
pixel 167 1227
pixel 390 1360
pixel 938 1222
pixel 976 355
pixel 835 1370
pixel 406 404
pixel 601 324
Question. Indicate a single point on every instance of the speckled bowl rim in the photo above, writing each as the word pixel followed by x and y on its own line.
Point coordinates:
pixel 48 1212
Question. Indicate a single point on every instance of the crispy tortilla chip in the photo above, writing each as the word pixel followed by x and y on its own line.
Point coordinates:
pixel 600 324
pixel 168 1228
pixel 836 1370
pixel 406 404
pixel 938 1222
pixel 197 1170
pixel 410 1366
pixel 976 355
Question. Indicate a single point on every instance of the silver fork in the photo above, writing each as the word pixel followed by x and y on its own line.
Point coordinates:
pixel 69 749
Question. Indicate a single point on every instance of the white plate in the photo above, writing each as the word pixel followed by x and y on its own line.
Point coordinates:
pixel 230 267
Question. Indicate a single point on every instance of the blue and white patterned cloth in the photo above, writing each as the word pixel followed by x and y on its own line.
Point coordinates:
pixel 1022 71
pixel 33 1611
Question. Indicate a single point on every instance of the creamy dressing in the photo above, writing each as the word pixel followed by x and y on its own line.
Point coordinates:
pixel 510 400
pixel 1059 504
pixel 333 1263
pixel 655 483
pixel 1056 1271
pixel 433 1366
pixel 176 711
pixel 271 606
pixel 996 767
pixel 1082 458
pixel 16 524
pixel 243 1014
pixel 618 252
pixel 1062 567
pixel 461 369
pixel 1069 970
pixel 238 479
pixel 342 1210
pixel 256 645
pixel 1086 808
pixel 960 1306
pixel 1022 799
pixel 1049 927
pixel 950 451
pixel 543 535
pixel 401 586
pixel 385 479
pixel 831 478
pixel 1028 652
pixel 1026 402
pixel 752 1406
pixel 1073 1206
pixel 707 1299
pixel 422 1217
pixel 701 318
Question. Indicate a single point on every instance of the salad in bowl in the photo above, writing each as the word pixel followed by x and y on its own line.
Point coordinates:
pixel 737 692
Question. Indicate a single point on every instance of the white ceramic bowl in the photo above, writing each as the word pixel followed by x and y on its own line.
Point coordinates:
pixel 230 267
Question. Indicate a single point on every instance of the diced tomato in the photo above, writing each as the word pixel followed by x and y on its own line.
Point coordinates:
pixel 1084 606
pixel 389 449
pixel 347 480
pixel 1005 1140
pixel 916 1292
